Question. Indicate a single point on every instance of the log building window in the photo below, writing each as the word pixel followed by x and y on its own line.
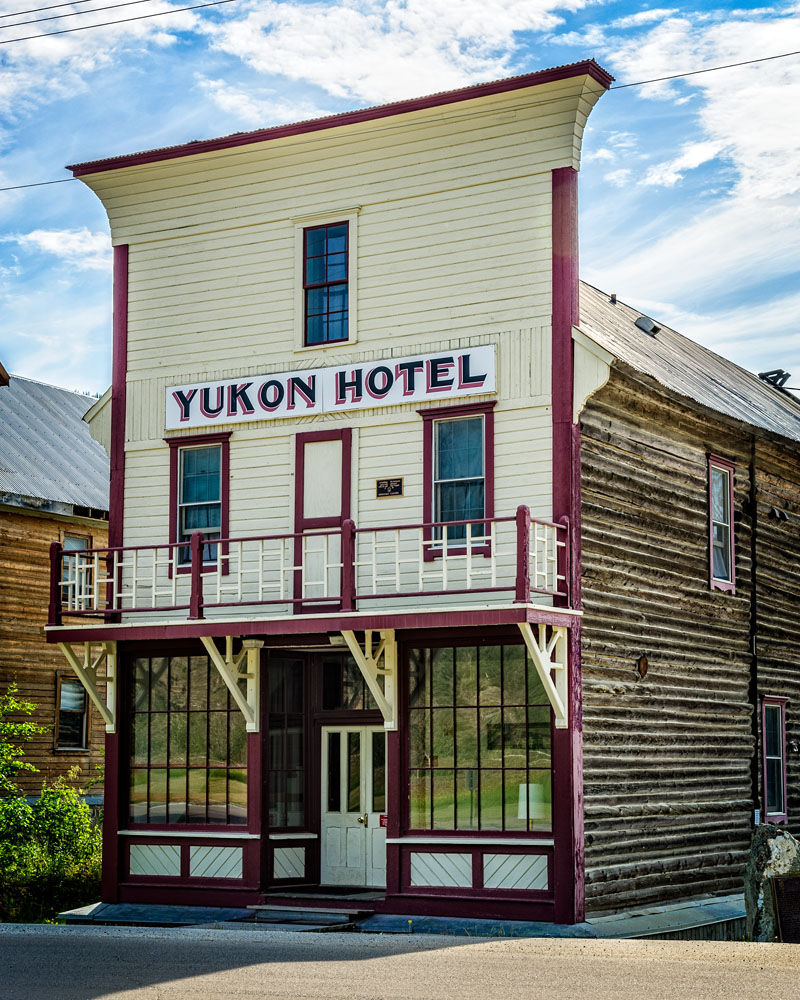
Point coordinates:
pixel 773 743
pixel 479 748
pixel 72 715
pixel 188 744
pixel 721 528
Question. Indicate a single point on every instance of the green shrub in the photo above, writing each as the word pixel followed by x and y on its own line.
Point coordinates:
pixel 50 853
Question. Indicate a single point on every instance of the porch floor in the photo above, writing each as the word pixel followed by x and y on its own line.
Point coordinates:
pixel 715 918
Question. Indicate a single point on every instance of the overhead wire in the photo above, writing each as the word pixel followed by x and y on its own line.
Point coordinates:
pixel 639 83
pixel 36 10
pixel 73 13
pixel 106 24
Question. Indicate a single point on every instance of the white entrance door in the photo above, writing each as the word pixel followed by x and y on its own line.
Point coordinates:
pixel 353 801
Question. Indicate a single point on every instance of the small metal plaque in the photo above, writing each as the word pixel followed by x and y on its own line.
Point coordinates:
pixel 384 819
pixel 389 487
pixel 786 893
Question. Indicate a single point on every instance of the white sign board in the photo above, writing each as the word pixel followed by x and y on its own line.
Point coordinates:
pixel 418 379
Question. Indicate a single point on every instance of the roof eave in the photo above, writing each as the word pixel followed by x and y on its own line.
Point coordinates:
pixel 587 67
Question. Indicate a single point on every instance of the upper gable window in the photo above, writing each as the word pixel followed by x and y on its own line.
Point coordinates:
pixel 721 540
pixel 325 284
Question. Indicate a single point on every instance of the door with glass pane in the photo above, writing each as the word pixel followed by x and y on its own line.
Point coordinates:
pixel 353 848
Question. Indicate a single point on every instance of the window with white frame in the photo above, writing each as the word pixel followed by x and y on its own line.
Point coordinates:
pixel 459 474
pixel 721 538
pixel 774 758
pixel 71 729
pixel 199 497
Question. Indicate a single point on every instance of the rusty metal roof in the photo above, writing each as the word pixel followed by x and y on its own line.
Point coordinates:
pixel 46 451
pixel 687 368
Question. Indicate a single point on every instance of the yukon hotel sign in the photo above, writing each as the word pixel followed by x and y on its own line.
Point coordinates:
pixel 326 390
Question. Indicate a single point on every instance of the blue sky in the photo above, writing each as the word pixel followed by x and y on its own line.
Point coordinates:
pixel 690 190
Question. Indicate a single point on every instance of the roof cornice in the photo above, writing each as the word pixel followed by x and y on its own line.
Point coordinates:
pixel 586 68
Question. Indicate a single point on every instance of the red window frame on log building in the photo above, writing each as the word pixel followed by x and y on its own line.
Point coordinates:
pixel 721 532
pixel 777 705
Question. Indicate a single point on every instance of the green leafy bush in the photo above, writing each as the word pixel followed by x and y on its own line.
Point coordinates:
pixel 12 734
pixel 50 853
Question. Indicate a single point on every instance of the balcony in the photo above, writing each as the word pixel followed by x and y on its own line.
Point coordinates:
pixel 347 571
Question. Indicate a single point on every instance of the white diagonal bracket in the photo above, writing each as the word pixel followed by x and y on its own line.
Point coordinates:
pixel 88 674
pixel 230 670
pixel 550 659
pixel 376 662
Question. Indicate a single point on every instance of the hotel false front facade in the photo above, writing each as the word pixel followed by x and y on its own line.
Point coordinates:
pixel 336 634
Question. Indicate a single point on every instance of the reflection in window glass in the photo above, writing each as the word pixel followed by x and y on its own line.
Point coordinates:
pixel 480 742
pixel 187 760
pixel 286 763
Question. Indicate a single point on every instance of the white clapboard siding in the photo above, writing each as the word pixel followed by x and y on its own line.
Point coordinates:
pixel 155 859
pixel 215 862
pixel 439 869
pixel 289 862
pixel 515 871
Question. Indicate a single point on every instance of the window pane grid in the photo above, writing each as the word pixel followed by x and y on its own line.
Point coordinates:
pixel 479 756
pixel 325 280
pixel 459 475
pixel 188 745
pixel 286 767
pixel 199 498
pixel 721 526
pixel 774 759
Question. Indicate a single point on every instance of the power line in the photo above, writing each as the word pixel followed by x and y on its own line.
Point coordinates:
pixel 123 20
pixel 472 114
pixel 710 69
pixel 73 13
pixel 37 10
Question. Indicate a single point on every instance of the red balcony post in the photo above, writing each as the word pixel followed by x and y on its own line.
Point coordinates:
pixel 196 598
pixel 523 587
pixel 56 557
pixel 348 565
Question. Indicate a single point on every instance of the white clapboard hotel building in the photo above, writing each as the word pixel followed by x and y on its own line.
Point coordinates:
pixel 339 617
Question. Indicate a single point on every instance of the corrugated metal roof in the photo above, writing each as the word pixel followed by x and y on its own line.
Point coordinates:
pixel 46 451
pixel 686 368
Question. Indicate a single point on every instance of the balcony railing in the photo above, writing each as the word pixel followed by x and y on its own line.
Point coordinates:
pixel 342 569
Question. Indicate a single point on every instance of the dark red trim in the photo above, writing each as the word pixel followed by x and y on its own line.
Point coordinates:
pixel 568 864
pixel 779 702
pixel 585 68
pixel 175 444
pixel 303 625
pixel 119 371
pixel 111 812
pixel 324 284
pixel 431 414
pixel 714 461
pixel 303 523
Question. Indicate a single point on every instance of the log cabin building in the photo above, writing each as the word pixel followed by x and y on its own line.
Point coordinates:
pixel 53 485
pixel 419 583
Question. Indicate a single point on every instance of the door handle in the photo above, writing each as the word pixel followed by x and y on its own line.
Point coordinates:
pixel 364 819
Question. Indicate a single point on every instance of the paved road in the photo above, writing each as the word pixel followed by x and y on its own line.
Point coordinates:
pixel 79 963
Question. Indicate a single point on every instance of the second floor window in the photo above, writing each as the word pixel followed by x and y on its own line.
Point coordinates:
pixel 459 475
pixel 200 498
pixel 325 280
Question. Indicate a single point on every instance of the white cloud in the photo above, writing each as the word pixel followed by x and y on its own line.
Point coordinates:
pixel 257 108
pixel 619 178
pixel 693 155
pixel 77 247
pixel 644 17
pixel 373 50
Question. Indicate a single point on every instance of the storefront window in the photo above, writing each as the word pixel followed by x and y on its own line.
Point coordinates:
pixel 479 740
pixel 188 744
pixel 286 744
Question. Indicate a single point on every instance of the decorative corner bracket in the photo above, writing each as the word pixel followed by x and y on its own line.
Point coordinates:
pixel 230 670
pixel 374 663
pixel 88 675
pixel 550 658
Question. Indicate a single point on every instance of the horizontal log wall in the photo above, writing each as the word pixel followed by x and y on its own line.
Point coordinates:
pixel 778 589
pixel 668 794
pixel 25 657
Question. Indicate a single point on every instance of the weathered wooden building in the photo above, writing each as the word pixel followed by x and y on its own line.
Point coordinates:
pixel 53 486
pixel 355 425
pixel 685 660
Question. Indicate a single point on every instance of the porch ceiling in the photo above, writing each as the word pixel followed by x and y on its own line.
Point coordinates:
pixel 413 618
